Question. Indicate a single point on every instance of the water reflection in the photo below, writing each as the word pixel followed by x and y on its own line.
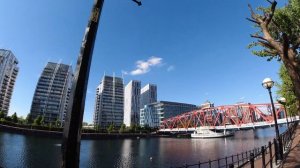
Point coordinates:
pixel 28 151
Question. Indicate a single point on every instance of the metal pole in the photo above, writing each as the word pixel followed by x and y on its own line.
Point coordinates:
pixel 263 154
pixel 276 126
pixel 252 160
pixel 286 116
pixel 73 121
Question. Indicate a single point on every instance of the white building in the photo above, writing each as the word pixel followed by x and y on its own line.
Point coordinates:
pixel 132 95
pixel 109 106
pixel 8 75
pixel 51 96
pixel 148 95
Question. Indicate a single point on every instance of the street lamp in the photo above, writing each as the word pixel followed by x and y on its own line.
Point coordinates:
pixel 282 101
pixel 268 84
pixel 73 120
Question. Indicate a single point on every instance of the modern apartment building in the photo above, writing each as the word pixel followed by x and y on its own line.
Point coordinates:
pixel 8 74
pixel 132 95
pixel 148 95
pixel 52 92
pixel 153 114
pixel 109 106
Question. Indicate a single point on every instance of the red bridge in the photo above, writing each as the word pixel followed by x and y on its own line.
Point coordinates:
pixel 226 117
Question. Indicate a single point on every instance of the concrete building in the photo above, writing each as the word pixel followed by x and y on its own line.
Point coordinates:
pixel 109 105
pixel 153 114
pixel 8 74
pixel 52 92
pixel 132 95
pixel 148 95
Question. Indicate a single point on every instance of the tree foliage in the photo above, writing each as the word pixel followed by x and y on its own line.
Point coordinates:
pixel 14 118
pixel 278 37
pixel 38 121
pixel 28 119
pixel 2 115
pixel 57 123
pixel 285 89
pixel 110 128
pixel 123 128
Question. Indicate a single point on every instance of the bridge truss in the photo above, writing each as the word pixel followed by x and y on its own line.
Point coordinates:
pixel 235 115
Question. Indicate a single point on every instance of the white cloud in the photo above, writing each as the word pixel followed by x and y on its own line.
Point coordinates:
pixel 242 98
pixel 143 67
pixel 171 68
pixel 124 72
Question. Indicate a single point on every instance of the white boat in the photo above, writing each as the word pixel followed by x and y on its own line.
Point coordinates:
pixel 206 133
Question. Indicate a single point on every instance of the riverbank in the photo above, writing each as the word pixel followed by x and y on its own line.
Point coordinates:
pixel 85 136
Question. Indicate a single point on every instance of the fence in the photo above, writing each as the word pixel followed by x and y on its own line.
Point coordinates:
pixel 264 156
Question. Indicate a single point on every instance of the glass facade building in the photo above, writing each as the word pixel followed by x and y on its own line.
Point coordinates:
pixel 132 95
pixel 153 114
pixel 148 95
pixel 8 73
pixel 52 93
pixel 109 105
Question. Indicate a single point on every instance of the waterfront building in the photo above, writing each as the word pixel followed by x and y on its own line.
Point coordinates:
pixel 52 92
pixel 8 73
pixel 153 114
pixel 148 95
pixel 206 104
pixel 109 105
pixel 132 95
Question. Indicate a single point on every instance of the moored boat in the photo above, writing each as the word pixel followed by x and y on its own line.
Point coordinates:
pixel 207 133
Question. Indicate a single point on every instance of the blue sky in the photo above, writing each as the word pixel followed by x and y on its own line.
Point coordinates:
pixel 193 50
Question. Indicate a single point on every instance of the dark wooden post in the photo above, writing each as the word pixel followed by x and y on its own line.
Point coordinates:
pixel 73 121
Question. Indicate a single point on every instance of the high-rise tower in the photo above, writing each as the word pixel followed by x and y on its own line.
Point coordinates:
pixel 51 95
pixel 109 102
pixel 148 95
pixel 8 74
pixel 132 95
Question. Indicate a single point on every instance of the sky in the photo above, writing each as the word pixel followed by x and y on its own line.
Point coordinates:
pixel 192 50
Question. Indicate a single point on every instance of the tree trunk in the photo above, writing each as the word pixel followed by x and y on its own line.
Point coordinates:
pixel 294 73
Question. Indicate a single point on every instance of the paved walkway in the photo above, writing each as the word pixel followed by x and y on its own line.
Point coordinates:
pixel 293 158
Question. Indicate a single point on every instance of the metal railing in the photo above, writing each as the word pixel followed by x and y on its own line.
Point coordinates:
pixel 265 156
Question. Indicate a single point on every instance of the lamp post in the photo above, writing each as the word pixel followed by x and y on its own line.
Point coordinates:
pixel 268 84
pixel 73 121
pixel 282 101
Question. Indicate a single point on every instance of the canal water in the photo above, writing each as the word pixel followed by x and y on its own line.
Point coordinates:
pixel 38 152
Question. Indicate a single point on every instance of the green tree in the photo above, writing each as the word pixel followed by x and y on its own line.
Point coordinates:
pixel 122 129
pixel 28 119
pixel 21 120
pixel 133 128
pixel 2 115
pixel 279 37
pixel 14 118
pixel 57 123
pixel 285 89
pixel 110 128
pixel 97 127
pixel 38 121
